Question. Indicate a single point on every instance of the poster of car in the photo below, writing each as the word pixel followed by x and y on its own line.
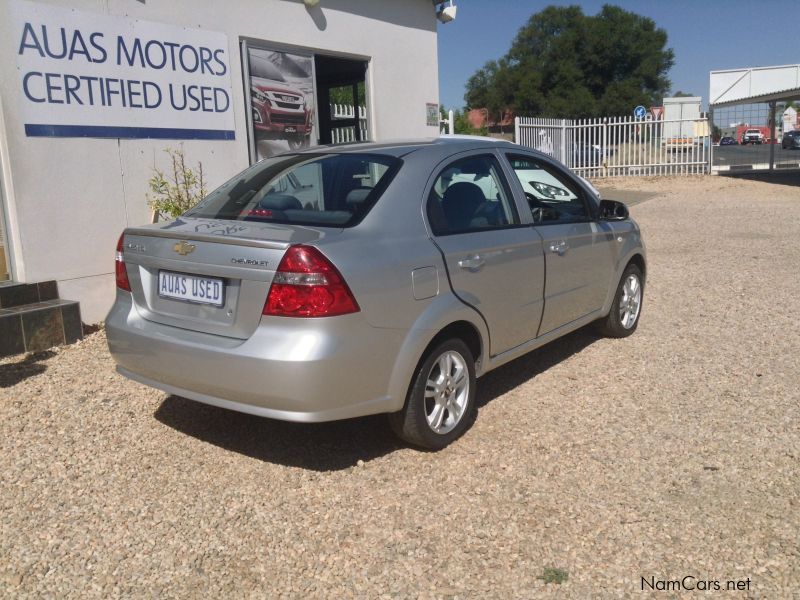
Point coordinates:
pixel 281 101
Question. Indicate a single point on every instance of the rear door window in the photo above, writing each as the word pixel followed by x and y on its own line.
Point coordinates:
pixel 470 195
pixel 335 190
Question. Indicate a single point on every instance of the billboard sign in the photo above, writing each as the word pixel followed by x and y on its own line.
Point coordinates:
pixel 85 74
pixel 281 101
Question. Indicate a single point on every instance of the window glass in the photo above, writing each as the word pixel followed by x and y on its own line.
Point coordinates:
pixel 552 197
pixel 320 189
pixel 469 195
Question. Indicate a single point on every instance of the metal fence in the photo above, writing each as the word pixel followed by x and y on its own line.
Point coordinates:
pixel 621 146
pixel 344 134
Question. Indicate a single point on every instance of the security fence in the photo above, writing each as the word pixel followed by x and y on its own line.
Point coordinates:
pixel 344 134
pixel 621 146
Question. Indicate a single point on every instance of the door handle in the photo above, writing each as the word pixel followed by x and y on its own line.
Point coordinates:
pixel 560 247
pixel 473 263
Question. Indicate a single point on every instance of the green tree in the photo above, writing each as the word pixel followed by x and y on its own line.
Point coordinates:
pixel 564 63
pixel 344 95
pixel 490 87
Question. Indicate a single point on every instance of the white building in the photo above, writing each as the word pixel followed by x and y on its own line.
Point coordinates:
pixel 93 91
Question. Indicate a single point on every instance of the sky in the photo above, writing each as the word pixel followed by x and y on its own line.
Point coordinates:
pixel 706 35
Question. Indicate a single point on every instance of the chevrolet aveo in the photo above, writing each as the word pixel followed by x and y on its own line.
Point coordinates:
pixel 372 278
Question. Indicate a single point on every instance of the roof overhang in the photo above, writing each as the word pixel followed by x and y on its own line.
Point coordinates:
pixel 753 85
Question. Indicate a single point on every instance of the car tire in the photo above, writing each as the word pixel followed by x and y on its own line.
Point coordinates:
pixel 623 318
pixel 437 395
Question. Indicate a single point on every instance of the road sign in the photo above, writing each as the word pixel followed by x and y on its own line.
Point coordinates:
pixel 639 112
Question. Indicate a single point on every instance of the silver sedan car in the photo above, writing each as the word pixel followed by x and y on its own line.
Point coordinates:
pixel 372 278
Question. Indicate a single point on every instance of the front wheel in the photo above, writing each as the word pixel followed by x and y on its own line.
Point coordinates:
pixel 623 319
pixel 441 401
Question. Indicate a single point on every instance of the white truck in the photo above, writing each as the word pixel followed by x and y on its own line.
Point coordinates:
pixel 681 117
pixel 752 136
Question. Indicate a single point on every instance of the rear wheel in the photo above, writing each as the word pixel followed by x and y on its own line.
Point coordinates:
pixel 623 319
pixel 441 401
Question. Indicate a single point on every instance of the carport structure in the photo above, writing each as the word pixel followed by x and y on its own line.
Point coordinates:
pixel 752 93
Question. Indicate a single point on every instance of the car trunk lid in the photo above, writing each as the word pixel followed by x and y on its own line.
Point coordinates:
pixel 238 257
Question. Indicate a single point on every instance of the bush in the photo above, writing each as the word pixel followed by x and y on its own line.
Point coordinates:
pixel 174 195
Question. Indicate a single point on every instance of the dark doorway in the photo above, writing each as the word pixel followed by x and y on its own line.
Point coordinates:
pixel 341 93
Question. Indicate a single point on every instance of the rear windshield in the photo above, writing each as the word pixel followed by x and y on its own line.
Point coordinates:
pixel 324 190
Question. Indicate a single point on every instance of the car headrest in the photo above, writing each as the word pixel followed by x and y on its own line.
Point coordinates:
pixel 280 202
pixel 358 195
pixel 459 203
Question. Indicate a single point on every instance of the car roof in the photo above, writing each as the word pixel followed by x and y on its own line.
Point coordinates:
pixel 398 148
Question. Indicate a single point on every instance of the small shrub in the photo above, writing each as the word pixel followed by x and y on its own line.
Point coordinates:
pixel 554 575
pixel 174 194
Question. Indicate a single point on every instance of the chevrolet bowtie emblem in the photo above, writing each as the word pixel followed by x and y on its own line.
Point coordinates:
pixel 183 248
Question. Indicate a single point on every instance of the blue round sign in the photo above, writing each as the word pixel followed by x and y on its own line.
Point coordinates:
pixel 640 112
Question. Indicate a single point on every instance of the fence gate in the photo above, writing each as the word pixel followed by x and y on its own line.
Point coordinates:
pixel 621 146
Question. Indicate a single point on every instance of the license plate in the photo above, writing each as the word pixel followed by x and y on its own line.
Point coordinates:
pixel 290 129
pixel 191 288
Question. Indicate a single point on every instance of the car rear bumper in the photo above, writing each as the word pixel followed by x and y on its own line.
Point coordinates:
pixel 307 370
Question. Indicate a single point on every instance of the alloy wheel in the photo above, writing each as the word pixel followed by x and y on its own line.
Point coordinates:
pixel 630 302
pixel 446 392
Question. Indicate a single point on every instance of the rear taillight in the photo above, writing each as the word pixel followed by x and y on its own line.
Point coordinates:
pixel 119 267
pixel 307 284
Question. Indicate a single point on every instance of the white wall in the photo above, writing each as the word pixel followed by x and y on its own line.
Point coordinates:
pixel 69 198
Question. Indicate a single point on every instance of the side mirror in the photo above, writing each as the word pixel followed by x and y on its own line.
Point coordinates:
pixel 611 210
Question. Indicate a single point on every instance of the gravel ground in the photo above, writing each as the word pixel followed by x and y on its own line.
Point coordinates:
pixel 673 453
